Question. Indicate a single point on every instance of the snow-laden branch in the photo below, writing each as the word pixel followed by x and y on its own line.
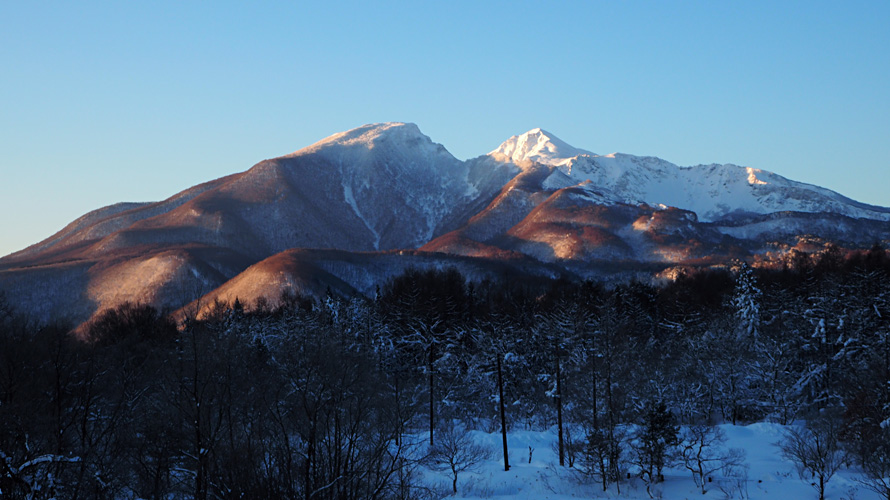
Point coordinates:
pixel 43 459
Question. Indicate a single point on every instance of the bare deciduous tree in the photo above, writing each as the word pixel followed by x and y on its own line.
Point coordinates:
pixel 814 449
pixel 456 452
pixel 703 453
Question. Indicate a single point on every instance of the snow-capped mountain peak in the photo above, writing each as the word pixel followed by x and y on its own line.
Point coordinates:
pixel 713 192
pixel 396 136
pixel 535 201
pixel 396 186
pixel 539 146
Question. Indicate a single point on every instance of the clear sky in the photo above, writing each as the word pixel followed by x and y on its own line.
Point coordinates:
pixel 102 102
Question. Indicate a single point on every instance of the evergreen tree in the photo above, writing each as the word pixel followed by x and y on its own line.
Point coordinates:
pixel 655 442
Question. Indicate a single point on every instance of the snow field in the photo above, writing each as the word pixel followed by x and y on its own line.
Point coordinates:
pixel 767 476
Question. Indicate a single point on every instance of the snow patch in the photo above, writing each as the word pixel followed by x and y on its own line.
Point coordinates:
pixel 350 199
pixel 752 176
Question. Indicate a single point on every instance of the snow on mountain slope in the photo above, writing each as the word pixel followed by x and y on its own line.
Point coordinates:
pixel 87 220
pixel 387 186
pixel 538 145
pixel 377 187
pixel 568 205
pixel 271 279
pixel 713 192
pixel 314 271
pixel 74 291
pixel 380 186
pixel 105 221
pixel 398 182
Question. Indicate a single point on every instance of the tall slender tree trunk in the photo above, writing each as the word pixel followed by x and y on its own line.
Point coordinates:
pixel 310 456
pixel 601 451
pixel 613 446
pixel 503 413
pixel 398 403
pixel 561 441
pixel 432 398
pixel 200 451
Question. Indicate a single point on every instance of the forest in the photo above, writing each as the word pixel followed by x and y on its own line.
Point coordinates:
pixel 335 398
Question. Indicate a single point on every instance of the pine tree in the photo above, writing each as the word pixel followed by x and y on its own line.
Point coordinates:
pixel 746 302
pixel 655 441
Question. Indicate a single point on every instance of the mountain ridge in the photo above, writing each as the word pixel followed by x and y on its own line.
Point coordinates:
pixel 535 201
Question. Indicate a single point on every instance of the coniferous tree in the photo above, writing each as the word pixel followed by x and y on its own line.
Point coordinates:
pixel 655 442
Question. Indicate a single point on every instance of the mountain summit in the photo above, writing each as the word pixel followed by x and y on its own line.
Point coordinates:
pixel 713 192
pixel 359 206
pixel 395 136
pixel 538 145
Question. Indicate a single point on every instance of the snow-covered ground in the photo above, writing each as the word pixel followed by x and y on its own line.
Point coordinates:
pixel 768 475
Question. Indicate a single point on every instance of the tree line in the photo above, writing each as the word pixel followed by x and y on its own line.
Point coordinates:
pixel 335 398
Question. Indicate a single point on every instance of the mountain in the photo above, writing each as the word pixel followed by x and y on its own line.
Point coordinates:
pixel 570 205
pixel 376 187
pixel 713 192
pixel 327 216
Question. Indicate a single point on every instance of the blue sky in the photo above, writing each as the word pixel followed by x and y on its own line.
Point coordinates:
pixel 135 101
